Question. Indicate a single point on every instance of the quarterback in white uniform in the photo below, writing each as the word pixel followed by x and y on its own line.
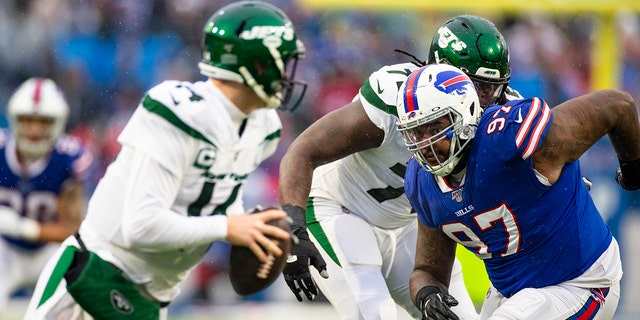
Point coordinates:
pixel 356 211
pixel 176 185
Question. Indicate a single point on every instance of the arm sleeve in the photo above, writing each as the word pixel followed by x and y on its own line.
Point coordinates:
pixel 148 221
pixel 523 126
pixel 413 192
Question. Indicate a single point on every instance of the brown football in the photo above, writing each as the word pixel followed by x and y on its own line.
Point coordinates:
pixel 247 274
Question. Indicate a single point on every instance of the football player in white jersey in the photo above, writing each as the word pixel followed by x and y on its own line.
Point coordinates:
pixel 342 179
pixel 177 184
pixel 42 171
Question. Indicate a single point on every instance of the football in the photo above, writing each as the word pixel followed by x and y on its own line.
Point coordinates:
pixel 247 274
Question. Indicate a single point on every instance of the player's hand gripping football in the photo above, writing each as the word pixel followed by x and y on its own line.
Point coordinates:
pixel 253 231
pixel 435 305
pixel 303 253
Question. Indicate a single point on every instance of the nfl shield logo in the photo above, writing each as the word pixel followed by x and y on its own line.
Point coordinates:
pixel 457 195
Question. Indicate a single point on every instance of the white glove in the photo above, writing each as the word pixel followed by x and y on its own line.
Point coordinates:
pixel 13 225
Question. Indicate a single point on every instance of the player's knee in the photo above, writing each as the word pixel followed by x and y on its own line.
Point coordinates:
pixel 527 304
pixel 387 310
pixel 376 309
pixel 371 292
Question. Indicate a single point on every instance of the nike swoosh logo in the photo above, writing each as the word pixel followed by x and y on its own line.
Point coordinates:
pixel 175 102
pixel 380 90
pixel 519 120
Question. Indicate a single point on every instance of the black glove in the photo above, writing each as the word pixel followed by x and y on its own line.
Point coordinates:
pixel 628 174
pixel 435 305
pixel 296 271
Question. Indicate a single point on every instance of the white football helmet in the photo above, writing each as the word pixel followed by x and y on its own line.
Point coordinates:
pixel 37 97
pixel 438 102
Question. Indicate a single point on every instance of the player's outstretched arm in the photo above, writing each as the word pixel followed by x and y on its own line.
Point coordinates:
pixel 336 135
pixel 429 282
pixel 580 122
pixel 71 209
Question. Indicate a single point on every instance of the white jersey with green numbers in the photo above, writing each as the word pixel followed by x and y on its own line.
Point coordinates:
pixel 186 129
pixel 370 183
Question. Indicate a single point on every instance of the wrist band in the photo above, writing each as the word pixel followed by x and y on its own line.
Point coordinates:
pixel 425 292
pixel 30 229
pixel 297 214
pixel 630 174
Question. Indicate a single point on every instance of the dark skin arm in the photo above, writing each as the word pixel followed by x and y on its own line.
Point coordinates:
pixel 336 135
pixel 435 254
pixel 580 122
pixel 71 209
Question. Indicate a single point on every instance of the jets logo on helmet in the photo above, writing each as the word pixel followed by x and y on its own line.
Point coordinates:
pixel 261 32
pixel 254 43
pixel 448 39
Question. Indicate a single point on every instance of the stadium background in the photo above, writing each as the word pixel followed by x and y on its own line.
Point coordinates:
pixel 106 53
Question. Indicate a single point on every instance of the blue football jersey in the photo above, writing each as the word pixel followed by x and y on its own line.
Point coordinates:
pixel 34 193
pixel 529 234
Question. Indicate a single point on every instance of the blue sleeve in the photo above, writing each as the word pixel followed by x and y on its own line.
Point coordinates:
pixel 415 195
pixel 519 127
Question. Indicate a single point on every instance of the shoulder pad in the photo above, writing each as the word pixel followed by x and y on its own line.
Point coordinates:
pixel 381 88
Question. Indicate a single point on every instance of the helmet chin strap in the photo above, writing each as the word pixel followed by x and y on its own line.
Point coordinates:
pixel 219 73
pixel 272 102
pixel 447 168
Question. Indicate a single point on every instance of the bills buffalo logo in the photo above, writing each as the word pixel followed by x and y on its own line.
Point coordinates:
pixel 411 115
pixel 451 81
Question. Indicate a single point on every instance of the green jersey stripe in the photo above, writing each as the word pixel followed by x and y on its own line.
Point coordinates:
pixel 272 136
pixel 368 93
pixel 316 229
pixel 58 273
pixel 160 109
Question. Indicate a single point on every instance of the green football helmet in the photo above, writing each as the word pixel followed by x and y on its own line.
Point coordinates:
pixel 254 43
pixel 474 45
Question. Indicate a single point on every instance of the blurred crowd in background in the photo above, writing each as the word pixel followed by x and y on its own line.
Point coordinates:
pixel 106 53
